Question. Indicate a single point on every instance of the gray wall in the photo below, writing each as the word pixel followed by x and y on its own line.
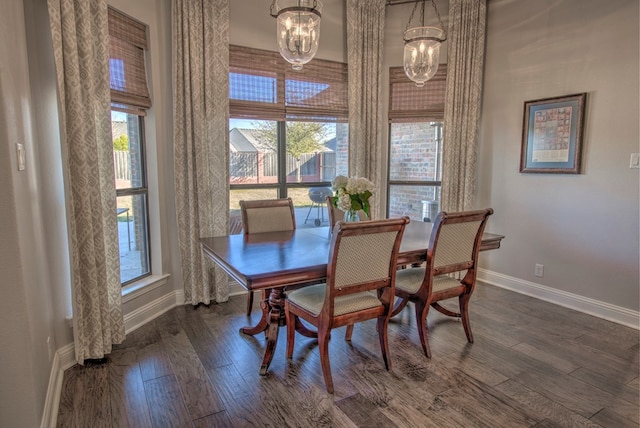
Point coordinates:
pixel 582 228
pixel 26 313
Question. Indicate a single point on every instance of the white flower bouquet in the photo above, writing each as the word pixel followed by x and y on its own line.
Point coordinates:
pixel 352 193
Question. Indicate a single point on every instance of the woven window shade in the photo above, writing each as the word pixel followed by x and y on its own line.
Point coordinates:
pixel 408 103
pixel 128 77
pixel 256 84
pixel 262 85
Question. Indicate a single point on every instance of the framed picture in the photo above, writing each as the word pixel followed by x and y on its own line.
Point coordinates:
pixel 552 135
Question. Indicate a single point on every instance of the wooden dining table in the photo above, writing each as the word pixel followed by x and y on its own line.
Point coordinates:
pixel 275 260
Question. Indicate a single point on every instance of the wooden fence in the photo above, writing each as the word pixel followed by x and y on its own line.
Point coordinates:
pixel 256 167
pixel 259 167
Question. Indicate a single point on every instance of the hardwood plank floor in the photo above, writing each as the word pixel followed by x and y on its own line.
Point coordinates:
pixel 533 364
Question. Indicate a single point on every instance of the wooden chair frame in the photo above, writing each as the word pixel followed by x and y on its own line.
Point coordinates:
pixel 326 320
pixel 263 204
pixel 425 297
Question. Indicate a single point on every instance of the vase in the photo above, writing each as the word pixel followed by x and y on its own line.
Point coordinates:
pixel 351 216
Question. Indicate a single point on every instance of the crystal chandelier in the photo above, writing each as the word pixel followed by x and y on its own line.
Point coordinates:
pixel 422 47
pixel 298 29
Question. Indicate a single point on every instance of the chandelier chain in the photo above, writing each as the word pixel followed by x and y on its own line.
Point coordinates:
pixel 415 6
pixel 438 15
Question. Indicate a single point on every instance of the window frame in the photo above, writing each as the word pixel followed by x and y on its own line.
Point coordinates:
pixel 130 95
pixel 333 109
pixel 142 190
pixel 413 104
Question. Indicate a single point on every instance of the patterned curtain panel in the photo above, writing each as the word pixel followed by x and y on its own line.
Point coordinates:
pixel 465 48
pixel 81 52
pixel 201 146
pixel 365 37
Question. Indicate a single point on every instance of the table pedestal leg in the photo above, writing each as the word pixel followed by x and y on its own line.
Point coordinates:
pixel 263 323
pixel 276 319
pixel 272 319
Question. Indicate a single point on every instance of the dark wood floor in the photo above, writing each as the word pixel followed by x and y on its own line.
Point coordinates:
pixel 532 364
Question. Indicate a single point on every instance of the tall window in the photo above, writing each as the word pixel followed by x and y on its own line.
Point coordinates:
pixel 288 131
pixel 129 102
pixel 415 145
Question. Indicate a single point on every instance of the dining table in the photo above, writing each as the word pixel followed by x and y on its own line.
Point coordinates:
pixel 274 261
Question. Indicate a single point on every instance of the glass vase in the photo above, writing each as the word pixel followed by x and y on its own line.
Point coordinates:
pixel 351 215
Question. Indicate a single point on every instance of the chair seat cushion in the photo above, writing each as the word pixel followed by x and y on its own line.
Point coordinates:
pixel 311 298
pixel 410 280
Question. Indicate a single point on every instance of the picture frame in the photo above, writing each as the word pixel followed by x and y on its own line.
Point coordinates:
pixel 552 135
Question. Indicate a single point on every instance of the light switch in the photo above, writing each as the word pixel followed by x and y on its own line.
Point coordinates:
pixel 21 156
pixel 635 160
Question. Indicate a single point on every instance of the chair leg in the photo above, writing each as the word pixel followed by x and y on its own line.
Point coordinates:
pixel 382 325
pixel 348 333
pixel 291 329
pixel 464 312
pixel 249 303
pixel 445 311
pixel 399 305
pixel 422 311
pixel 323 344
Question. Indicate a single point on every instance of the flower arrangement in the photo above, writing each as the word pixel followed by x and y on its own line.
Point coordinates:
pixel 352 193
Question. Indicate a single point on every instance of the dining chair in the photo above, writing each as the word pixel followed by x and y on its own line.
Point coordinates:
pixel 452 254
pixel 266 215
pixel 336 214
pixel 359 286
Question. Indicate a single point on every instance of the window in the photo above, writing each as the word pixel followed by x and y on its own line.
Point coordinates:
pixel 288 130
pixel 415 145
pixel 129 101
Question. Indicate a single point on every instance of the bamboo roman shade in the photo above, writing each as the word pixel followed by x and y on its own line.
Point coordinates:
pixel 128 77
pixel 262 85
pixel 408 103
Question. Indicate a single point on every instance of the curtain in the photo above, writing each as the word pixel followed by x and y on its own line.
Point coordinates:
pixel 201 145
pixel 466 37
pixel 365 37
pixel 81 52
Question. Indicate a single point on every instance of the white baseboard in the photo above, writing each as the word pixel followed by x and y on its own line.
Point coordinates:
pixel 617 314
pixel 152 310
pixel 64 357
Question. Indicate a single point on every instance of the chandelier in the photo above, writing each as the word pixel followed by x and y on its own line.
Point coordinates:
pixel 298 29
pixel 422 47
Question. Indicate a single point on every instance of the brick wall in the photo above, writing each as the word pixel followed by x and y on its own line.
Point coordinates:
pixel 414 156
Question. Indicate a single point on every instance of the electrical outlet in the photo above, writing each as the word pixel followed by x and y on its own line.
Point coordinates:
pixel 50 348
pixel 539 271
pixel 634 162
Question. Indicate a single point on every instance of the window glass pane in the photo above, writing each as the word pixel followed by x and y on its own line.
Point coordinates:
pixel 131 202
pixel 310 205
pixel 259 87
pixel 127 150
pixel 316 151
pixel 416 151
pixel 133 237
pixel 253 151
pixel 420 203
